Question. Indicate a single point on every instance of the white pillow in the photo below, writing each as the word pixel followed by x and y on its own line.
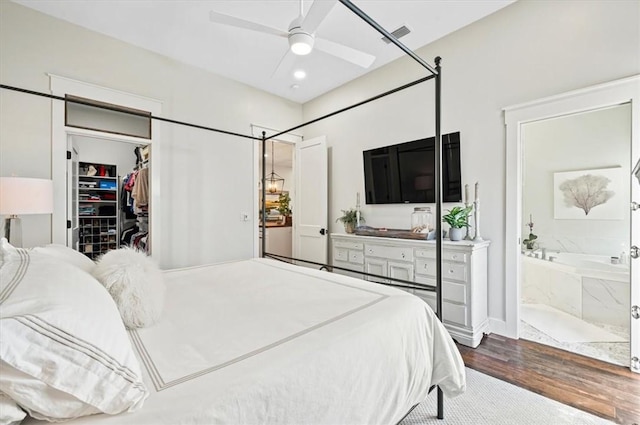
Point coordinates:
pixel 7 251
pixel 136 284
pixel 10 413
pixel 60 252
pixel 68 255
pixel 64 350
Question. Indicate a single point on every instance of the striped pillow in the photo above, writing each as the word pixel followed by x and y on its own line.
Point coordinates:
pixel 64 350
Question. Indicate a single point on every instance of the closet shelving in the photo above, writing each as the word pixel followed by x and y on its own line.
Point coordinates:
pixel 98 208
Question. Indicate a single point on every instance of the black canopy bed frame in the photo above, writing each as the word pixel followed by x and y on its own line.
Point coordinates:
pixel 434 73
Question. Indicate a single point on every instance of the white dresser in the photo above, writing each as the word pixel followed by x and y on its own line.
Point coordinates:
pixel 464 275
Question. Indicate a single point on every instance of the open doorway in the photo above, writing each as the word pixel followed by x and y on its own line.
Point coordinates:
pixel 108 194
pixel 279 198
pixel 575 285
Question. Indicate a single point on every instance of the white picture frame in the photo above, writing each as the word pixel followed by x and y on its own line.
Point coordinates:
pixel 594 194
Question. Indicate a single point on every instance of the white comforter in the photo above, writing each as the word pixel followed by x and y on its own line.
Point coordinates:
pixel 263 342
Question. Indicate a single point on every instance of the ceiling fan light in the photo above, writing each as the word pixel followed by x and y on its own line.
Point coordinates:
pixel 301 43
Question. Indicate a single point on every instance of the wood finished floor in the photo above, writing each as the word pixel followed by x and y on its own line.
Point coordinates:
pixel 603 389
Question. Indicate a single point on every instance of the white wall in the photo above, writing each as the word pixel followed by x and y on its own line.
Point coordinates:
pixel 528 50
pixel 596 139
pixel 106 152
pixel 207 179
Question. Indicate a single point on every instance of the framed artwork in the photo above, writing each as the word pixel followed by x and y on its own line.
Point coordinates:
pixel 589 194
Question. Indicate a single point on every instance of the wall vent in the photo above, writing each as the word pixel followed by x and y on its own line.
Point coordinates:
pixel 400 32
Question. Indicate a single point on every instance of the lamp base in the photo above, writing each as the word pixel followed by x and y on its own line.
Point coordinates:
pixel 13 230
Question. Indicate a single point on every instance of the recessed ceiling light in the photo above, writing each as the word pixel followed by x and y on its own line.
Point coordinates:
pixel 299 74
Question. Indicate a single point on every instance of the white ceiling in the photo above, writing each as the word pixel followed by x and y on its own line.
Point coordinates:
pixel 181 29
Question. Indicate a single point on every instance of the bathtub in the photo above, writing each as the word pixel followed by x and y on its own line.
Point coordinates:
pixel 587 286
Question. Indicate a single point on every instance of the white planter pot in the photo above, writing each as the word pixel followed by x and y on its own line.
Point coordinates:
pixel 456 234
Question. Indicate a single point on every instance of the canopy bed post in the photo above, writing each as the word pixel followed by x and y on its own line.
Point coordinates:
pixel 263 222
pixel 438 195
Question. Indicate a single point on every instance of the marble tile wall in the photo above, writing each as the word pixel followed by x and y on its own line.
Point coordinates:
pixel 611 247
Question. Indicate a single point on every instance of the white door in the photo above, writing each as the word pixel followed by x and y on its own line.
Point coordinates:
pixel 634 264
pixel 72 194
pixel 310 213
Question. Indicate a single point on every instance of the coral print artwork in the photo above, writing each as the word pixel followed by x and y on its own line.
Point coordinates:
pixel 589 194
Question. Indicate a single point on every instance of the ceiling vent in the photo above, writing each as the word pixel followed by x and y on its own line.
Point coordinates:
pixel 400 32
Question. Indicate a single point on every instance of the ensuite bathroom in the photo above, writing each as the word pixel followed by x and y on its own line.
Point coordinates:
pixel 575 285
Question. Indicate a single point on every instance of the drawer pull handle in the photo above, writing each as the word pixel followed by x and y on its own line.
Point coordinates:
pixel 370 251
pixel 403 255
pixel 450 271
pixel 454 257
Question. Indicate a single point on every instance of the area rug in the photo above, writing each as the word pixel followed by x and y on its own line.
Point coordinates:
pixel 490 401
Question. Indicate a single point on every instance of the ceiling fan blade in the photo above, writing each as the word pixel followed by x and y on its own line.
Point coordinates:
pixel 360 58
pixel 318 11
pixel 285 63
pixel 223 19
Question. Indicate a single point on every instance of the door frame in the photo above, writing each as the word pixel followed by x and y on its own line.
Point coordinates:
pixel 60 133
pixel 626 90
pixel 288 138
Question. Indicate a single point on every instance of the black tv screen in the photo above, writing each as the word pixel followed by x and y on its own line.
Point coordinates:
pixel 404 173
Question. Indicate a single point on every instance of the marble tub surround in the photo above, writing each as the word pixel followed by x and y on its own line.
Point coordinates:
pixel 605 301
pixel 588 287
pixel 582 244
pixel 551 286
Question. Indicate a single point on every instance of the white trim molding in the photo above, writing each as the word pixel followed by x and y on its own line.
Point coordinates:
pixel 61 86
pixel 626 90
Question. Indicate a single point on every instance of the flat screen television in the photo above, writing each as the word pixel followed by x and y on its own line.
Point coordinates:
pixel 404 173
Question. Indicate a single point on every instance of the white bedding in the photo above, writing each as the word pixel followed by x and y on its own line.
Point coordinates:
pixel 260 341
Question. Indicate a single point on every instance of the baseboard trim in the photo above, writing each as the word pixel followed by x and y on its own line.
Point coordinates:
pixel 499 327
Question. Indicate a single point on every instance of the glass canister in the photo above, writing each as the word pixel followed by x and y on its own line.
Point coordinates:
pixel 421 220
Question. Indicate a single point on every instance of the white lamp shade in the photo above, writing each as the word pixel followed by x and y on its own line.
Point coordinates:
pixel 22 195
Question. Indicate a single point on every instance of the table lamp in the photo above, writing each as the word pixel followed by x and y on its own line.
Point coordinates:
pixel 20 196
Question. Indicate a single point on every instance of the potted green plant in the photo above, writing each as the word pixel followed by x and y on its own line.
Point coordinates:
pixel 350 219
pixel 284 208
pixel 457 218
pixel 530 242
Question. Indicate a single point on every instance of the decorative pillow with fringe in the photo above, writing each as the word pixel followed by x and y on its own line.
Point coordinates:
pixel 136 284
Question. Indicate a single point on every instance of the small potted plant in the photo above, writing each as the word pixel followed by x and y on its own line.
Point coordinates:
pixel 350 219
pixel 457 218
pixel 284 201
pixel 530 242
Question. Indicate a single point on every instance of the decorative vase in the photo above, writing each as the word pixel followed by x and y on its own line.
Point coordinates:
pixel 456 233
pixel 349 227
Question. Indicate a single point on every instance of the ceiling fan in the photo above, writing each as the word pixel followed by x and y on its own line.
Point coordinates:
pixel 301 35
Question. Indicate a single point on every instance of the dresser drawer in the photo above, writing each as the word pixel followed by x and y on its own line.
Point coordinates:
pixel 450 271
pixel 348 244
pixel 356 257
pixel 451 291
pixel 340 254
pixel 446 255
pixel 347 255
pixel 389 252
pixel 455 313
pixel 451 313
